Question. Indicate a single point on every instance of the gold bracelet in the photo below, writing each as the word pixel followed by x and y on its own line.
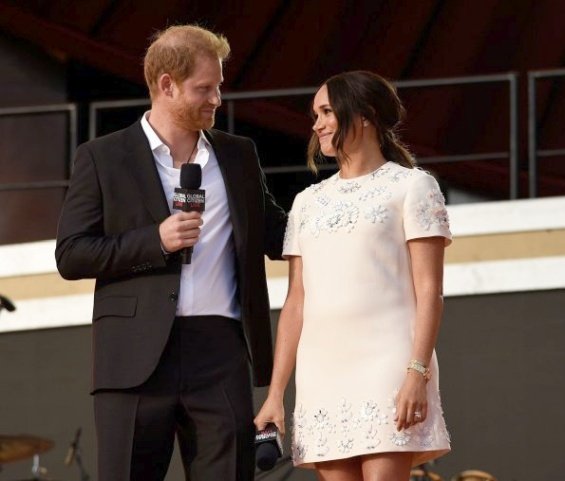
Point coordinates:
pixel 420 367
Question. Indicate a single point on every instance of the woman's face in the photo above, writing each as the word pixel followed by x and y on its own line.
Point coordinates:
pixel 325 125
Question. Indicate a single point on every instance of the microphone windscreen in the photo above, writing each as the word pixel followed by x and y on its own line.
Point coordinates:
pixel 190 176
pixel 266 456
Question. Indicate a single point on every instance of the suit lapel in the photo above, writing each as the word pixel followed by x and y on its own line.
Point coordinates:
pixel 141 164
pixel 232 172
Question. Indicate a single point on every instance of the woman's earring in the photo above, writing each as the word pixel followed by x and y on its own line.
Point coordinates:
pixel 365 123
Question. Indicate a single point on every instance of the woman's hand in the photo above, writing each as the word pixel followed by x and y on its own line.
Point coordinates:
pixel 411 401
pixel 272 411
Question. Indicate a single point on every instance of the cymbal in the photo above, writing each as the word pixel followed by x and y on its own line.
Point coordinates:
pixel 474 475
pixel 418 473
pixel 15 448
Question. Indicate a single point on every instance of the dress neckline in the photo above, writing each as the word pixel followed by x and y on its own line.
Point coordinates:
pixel 360 177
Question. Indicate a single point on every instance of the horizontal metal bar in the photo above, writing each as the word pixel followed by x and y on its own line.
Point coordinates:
pixel 257 94
pixel 290 169
pixel 50 184
pixel 540 74
pixel 103 104
pixel 37 109
pixel 478 79
pixel 463 158
pixel 550 152
pixel 296 92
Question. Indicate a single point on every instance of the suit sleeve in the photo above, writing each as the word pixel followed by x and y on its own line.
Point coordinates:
pixel 84 249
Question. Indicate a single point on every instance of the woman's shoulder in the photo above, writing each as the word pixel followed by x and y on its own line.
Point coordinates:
pixel 317 187
pixel 408 176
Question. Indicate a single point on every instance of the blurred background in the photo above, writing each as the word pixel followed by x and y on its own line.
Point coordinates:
pixel 482 82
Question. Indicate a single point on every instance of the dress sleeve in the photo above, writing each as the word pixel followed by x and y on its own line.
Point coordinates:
pixel 291 246
pixel 425 214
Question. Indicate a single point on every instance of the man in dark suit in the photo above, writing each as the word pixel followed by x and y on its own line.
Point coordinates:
pixel 173 342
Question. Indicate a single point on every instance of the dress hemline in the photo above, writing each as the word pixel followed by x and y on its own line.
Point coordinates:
pixel 420 457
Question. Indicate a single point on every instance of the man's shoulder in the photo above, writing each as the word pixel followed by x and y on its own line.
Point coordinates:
pixel 220 136
pixel 115 139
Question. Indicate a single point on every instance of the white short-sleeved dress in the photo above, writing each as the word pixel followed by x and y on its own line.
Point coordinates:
pixel 359 313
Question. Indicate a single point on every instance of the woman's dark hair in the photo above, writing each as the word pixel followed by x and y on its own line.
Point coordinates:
pixel 370 96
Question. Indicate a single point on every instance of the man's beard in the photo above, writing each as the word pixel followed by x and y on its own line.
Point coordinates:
pixel 189 118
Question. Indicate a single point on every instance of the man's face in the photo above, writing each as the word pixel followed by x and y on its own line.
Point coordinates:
pixel 198 97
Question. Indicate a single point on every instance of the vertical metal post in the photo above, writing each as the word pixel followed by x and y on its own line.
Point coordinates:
pixel 514 161
pixel 532 136
pixel 73 136
pixel 92 111
pixel 231 116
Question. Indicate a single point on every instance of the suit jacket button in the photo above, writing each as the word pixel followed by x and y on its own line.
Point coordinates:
pixel 174 297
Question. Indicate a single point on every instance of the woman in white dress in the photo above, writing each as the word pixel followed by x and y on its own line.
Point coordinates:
pixel 364 303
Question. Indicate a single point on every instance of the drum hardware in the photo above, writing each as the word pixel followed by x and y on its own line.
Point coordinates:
pixel 473 475
pixel 17 448
pixel 74 454
pixel 421 473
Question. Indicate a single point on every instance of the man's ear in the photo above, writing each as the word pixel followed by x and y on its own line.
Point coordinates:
pixel 166 85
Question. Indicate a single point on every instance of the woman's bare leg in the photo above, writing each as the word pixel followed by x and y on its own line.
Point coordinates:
pixel 386 466
pixel 340 470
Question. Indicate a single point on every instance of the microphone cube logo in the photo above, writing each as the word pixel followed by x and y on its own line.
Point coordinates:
pixel 189 200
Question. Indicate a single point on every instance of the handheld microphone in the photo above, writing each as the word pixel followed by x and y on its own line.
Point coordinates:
pixel 5 303
pixel 71 453
pixel 189 197
pixel 268 447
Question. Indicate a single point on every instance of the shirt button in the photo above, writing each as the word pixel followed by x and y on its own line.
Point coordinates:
pixel 173 297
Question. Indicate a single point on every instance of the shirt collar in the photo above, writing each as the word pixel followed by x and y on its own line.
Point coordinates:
pixel 155 142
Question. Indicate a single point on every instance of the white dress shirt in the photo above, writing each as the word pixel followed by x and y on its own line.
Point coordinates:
pixel 209 283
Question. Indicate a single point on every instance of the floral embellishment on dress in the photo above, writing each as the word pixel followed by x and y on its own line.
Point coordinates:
pixel 373 192
pixel 425 435
pixel 314 188
pixel 377 214
pixel 399 175
pixel 298 450
pixel 322 419
pixel 340 215
pixel 369 411
pixel 323 200
pixel 381 171
pixel 299 426
pixel 349 187
pixel 322 447
pixel 401 438
pixel 345 416
pixel 288 233
pixel 431 210
pixel 352 428
pixel 371 437
pixel 345 446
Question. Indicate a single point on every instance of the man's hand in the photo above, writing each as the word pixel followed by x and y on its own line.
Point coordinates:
pixel 180 230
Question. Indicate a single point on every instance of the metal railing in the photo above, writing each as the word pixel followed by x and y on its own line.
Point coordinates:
pixel 533 151
pixel 511 154
pixel 71 109
pixel 230 100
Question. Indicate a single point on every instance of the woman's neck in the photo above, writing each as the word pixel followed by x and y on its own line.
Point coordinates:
pixel 362 161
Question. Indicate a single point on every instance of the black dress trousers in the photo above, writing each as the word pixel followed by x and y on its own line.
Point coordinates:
pixel 200 392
